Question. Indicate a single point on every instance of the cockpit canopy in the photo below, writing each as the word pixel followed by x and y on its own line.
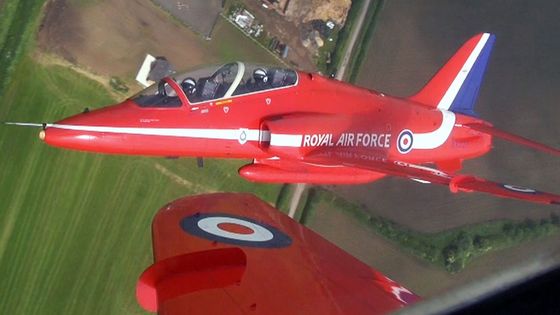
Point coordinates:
pixel 214 83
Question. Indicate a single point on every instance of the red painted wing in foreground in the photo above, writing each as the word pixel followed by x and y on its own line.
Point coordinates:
pixel 235 254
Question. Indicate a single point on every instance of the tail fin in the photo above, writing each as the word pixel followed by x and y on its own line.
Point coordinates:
pixel 455 86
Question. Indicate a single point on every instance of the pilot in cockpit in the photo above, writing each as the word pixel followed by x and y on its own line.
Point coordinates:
pixel 259 82
pixel 189 86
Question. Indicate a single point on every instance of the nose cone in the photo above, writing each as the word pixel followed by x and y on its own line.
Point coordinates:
pixel 89 131
pixel 74 139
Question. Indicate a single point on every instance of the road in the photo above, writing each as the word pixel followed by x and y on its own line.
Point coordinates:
pixel 300 188
pixel 353 37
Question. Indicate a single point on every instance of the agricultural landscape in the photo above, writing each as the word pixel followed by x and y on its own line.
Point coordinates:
pixel 75 227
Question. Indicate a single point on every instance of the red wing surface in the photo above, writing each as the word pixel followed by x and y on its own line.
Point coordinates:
pixel 427 175
pixel 512 137
pixel 235 254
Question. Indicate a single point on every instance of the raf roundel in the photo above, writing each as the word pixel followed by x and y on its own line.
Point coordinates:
pixel 229 229
pixel 404 141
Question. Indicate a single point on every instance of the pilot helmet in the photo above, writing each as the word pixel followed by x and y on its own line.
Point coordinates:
pixel 189 85
pixel 260 75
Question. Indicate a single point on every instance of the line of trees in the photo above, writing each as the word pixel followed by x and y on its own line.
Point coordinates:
pixel 451 249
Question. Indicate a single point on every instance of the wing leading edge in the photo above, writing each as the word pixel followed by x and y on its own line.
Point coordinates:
pixel 235 254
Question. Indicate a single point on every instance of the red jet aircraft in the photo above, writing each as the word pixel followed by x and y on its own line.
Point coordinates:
pixel 305 128
pixel 235 254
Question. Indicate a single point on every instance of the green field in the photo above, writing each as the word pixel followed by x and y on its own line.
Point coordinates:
pixel 230 44
pixel 364 40
pixel 18 20
pixel 75 227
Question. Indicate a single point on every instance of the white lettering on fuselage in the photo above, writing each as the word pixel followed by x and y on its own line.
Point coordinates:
pixel 371 140
pixel 318 140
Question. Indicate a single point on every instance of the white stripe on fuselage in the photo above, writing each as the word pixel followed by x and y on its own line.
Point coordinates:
pixel 285 140
pixel 434 139
pixel 454 88
pixel 427 140
pixel 221 134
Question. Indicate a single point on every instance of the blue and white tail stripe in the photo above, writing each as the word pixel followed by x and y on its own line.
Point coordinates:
pixel 462 93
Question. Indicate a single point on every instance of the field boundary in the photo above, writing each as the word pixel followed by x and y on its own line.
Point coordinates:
pixel 21 25
pixel 364 41
pixel 450 249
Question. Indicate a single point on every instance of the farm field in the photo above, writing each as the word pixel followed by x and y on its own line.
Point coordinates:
pixel 112 37
pixel 519 94
pixel 410 42
pixel 417 260
pixel 75 227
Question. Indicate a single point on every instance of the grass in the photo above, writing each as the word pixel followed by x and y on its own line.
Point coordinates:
pixel 229 43
pixel 232 44
pixel 364 40
pixel 344 36
pixel 325 53
pixel 69 220
pixel 284 200
pixel 452 249
pixel 284 197
pixel 18 20
pixel 75 227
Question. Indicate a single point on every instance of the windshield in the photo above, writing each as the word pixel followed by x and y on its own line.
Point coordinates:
pixel 233 79
pixel 219 84
pixel 260 78
pixel 213 83
pixel 161 94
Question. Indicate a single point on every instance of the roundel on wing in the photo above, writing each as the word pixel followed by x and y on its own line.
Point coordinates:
pixel 236 230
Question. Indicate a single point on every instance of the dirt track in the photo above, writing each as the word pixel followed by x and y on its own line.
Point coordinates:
pixel 113 36
pixel 519 94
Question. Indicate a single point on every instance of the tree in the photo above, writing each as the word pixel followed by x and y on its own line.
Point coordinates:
pixel 554 219
pixel 481 242
pixel 508 228
pixel 449 254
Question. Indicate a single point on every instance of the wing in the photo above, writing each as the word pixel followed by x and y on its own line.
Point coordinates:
pixel 493 131
pixel 235 254
pixel 424 174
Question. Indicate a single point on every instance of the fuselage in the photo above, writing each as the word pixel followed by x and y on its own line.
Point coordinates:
pixel 304 128
pixel 309 113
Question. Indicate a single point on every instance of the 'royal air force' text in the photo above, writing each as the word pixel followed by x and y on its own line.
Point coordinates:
pixel 372 140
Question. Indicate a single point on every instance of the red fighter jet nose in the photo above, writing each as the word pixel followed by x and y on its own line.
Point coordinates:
pixel 76 137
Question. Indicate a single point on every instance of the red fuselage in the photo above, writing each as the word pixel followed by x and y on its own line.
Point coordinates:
pixel 288 121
